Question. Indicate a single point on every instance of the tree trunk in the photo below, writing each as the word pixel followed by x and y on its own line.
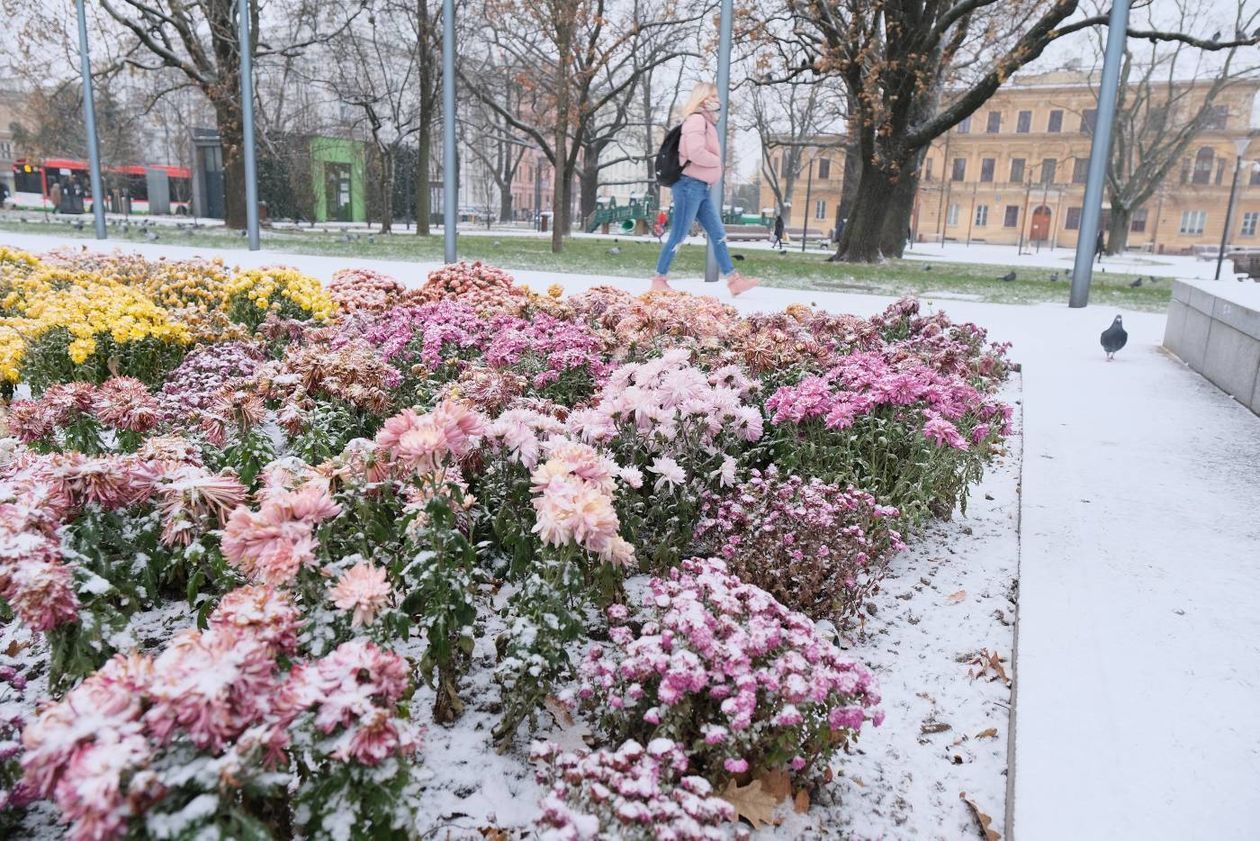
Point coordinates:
pixel 1118 228
pixel 864 232
pixel 898 216
pixel 588 185
pixel 228 119
pixel 428 99
pixel 387 188
pixel 424 193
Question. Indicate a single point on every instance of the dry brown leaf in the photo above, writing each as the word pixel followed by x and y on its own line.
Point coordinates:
pixel 777 784
pixel 493 833
pixel 989 833
pixel 800 803
pixel 955 598
pixel 989 661
pixel 558 711
pixel 751 802
pixel 990 733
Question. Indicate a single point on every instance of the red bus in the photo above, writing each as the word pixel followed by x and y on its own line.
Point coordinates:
pixel 31 182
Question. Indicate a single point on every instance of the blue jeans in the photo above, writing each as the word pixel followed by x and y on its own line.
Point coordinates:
pixel 691 204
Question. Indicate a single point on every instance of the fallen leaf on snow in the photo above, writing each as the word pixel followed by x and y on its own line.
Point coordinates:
pixel 777 784
pixel 989 833
pixel 989 661
pixel 558 711
pixel 990 733
pixel 800 803
pixel 751 802
pixel 934 727
pixel 955 598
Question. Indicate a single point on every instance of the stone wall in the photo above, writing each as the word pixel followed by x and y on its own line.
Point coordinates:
pixel 1214 327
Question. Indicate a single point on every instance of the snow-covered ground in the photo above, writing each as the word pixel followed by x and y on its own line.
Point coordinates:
pixel 1138 660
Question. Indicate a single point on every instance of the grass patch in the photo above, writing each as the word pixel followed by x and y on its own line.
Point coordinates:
pixel 637 258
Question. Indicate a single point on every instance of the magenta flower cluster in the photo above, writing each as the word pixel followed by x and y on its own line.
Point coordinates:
pixel 816 547
pixel 559 346
pixel 634 793
pixel 720 665
pixel 863 383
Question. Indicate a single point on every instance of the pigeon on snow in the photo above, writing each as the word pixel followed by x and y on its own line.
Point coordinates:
pixel 1135 284
pixel 1008 277
pixel 614 251
pixel 1113 338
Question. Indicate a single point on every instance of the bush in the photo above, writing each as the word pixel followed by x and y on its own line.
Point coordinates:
pixel 815 547
pixel 720 666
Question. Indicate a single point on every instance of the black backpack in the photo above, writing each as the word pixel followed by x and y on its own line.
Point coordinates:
pixel 668 167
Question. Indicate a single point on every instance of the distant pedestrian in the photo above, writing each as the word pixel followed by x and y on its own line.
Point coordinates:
pixel 778 232
pixel 4 194
pixel 662 219
pixel 54 195
pixel 700 164
pixel 1099 245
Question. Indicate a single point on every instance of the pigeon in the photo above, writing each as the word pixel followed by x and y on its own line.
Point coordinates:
pixel 1135 284
pixel 1008 277
pixel 1054 277
pixel 1113 338
pixel 782 253
pixel 738 256
pixel 78 225
pixel 244 233
pixel 614 251
pixel 497 243
pixel 151 236
pixel 371 239
pixel 1152 279
pixel 927 267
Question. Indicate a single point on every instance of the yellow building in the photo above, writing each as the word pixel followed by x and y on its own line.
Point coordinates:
pixel 815 189
pixel 1015 172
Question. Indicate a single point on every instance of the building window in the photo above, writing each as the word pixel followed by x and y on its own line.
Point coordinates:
pixel 1023 123
pixel 824 169
pixel 951 215
pixel 964 125
pixel 982 215
pixel 927 170
pixel 1255 175
pixel 1203 160
pixel 1055 125
pixel 1250 219
pixel 820 209
pixel 1048 167
pixel 1220 171
pixel 1193 221
pixel 1017 170
pixel 1089 119
pixel 1080 170
pixel 960 169
pixel 1216 118
pixel 994 123
pixel 1137 224
pixel 1011 219
pixel 986 169
pixel 1072 221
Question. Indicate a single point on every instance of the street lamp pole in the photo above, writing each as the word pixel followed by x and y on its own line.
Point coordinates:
pixel 1099 152
pixel 450 179
pixel 247 124
pixel 89 119
pixel 1240 147
pixel 724 95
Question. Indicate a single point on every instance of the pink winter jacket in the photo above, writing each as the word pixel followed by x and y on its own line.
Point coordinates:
pixel 698 149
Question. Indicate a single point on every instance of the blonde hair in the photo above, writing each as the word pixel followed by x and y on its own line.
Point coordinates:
pixel 701 92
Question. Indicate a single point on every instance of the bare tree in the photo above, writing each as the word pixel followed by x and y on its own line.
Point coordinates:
pixel 1169 96
pixel 573 58
pixel 916 68
pixel 788 117
pixel 374 71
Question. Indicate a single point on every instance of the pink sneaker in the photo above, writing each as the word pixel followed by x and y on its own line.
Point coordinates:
pixel 660 284
pixel 738 284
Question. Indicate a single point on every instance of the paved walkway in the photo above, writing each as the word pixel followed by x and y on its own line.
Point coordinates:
pixel 1138 662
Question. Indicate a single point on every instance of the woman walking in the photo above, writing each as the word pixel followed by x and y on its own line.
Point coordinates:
pixel 701 158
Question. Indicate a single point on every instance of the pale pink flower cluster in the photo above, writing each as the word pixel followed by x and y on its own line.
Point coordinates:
pixel 191 499
pixel 363 589
pixel 721 665
pixel 270 545
pixel 425 442
pixel 34 581
pixel 98 753
pixel 634 793
pixel 521 433
pixel 667 402
pixel 122 403
pixel 573 501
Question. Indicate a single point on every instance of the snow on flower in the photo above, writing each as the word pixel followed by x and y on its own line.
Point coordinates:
pixel 364 590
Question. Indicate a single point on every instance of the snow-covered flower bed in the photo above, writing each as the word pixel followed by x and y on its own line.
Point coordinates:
pixel 265 570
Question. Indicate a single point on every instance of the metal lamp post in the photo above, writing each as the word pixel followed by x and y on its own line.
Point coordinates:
pixel 809 187
pixel 247 124
pixel 450 179
pixel 1099 152
pixel 89 119
pixel 1240 148
pixel 724 95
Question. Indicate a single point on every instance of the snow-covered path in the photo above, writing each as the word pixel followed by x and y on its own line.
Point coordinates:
pixel 1138 667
